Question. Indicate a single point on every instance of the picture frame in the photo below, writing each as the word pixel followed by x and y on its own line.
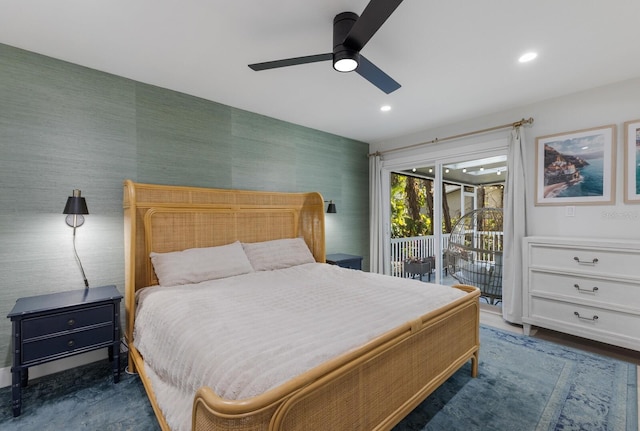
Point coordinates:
pixel 576 168
pixel 632 161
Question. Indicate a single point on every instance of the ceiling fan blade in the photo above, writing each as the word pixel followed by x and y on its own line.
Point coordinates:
pixel 377 77
pixel 371 19
pixel 291 61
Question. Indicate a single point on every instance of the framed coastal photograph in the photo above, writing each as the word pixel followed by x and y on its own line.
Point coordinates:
pixel 632 161
pixel 576 168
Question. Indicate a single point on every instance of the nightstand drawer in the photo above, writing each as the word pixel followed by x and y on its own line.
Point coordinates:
pixel 68 342
pixel 69 321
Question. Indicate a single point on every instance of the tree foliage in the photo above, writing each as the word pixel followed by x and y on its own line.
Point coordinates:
pixel 412 205
pixel 410 197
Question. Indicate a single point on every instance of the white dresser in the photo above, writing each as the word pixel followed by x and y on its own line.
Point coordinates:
pixel 589 288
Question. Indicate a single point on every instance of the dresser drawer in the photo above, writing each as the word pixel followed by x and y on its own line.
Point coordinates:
pixel 68 342
pixel 586 260
pixel 66 321
pixel 600 292
pixel 590 322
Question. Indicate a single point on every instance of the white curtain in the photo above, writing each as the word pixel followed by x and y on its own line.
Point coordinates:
pixel 376 232
pixel 515 229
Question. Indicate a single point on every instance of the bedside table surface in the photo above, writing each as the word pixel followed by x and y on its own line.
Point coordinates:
pixel 345 260
pixel 341 256
pixel 52 301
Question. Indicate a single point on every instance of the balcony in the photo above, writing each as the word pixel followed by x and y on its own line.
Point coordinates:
pixel 422 249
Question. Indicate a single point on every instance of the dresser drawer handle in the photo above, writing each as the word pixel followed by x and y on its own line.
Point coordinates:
pixel 594 318
pixel 71 343
pixel 592 290
pixel 71 322
pixel 586 262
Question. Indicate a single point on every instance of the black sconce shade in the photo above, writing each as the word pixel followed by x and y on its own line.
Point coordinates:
pixel 331 209
pixel 76 204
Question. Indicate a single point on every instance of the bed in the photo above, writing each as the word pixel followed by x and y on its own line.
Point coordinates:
pixel 369 386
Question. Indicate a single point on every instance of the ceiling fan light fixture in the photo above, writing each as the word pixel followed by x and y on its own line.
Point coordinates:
pixel 346 60
pixel 345 57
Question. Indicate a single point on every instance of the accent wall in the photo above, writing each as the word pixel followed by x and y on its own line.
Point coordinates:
pixel 65 127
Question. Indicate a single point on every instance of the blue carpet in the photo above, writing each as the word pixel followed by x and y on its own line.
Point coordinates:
pixel 529 384
pixel 83 398
pixel 524 384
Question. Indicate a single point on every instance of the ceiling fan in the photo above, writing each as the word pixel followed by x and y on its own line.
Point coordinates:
pixel 350 34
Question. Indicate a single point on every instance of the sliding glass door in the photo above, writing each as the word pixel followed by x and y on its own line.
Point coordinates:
pixel 426 203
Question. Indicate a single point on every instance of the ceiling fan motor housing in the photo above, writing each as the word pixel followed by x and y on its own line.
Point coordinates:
pixel 342 24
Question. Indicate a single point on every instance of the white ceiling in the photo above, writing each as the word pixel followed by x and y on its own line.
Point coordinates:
pixel 455 59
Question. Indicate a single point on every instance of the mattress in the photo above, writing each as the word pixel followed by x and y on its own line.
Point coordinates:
pixel 248 334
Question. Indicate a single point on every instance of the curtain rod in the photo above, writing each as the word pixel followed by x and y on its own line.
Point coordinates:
pixel 462 135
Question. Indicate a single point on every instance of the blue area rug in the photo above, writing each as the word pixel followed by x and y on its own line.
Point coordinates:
pixel 523 384
pixel 529 384
pixel 83 398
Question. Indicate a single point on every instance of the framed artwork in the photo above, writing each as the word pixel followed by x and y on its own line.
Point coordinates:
pixel 576 168
pixel 632 161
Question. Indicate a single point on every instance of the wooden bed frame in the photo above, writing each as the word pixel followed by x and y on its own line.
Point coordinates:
pixel 371 388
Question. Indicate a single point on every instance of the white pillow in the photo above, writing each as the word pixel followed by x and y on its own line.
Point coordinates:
pixel 200 264
pixel 277 254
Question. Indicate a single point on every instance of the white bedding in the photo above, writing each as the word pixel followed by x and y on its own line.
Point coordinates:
pixel 246 334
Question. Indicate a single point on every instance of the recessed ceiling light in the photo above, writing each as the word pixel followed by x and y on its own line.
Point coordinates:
pixel 527 57
pixel 385 108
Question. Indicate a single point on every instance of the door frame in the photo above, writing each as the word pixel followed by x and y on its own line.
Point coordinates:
pixel 436 155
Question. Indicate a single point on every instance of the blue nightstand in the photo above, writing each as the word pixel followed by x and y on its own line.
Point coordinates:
pixel 345 260
pixel 59 325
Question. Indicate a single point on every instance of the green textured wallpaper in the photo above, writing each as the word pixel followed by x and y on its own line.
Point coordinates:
pixel 63 127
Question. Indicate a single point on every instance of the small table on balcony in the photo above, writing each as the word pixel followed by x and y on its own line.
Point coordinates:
pixel 424 266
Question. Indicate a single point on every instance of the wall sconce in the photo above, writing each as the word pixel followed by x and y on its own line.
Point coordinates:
pixel 331 208
pixel 75 209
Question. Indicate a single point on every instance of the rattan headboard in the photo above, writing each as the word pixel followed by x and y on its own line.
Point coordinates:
pixel 164 218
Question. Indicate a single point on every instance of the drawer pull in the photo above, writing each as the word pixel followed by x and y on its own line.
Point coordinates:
pixel 71 343
pixel 586 262
pixel 593 290
pixel 594 318
pixel 71 322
